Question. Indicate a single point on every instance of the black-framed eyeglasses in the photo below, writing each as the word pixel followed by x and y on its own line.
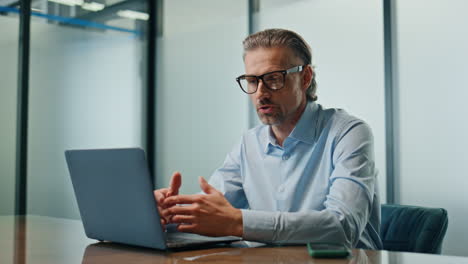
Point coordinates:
pixel 272 80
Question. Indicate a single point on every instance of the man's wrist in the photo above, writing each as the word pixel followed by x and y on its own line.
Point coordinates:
pixel 238 223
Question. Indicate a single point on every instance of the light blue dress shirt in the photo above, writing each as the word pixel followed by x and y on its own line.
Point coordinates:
pixel 320 186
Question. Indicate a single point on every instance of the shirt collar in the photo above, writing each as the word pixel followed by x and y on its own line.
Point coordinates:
pixel 304 130
pixel 307 124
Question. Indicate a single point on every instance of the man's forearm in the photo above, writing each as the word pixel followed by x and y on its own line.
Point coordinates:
pixel 293 228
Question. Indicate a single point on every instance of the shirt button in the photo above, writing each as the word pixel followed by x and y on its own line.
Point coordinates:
pixel 281 189
pixel 286 157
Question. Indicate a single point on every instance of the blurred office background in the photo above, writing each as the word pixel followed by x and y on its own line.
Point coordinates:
pixel 399 65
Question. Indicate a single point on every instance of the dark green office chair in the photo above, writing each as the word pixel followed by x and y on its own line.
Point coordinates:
pixel 412 228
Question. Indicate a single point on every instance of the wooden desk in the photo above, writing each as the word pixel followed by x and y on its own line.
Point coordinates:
pixel 36 239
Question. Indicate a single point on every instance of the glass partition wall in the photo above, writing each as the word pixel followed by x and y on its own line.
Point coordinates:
pixel 9 25
pixel 86 80
pixel 432 63
pixel 200 110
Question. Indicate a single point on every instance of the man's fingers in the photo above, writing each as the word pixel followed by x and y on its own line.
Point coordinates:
pixel 164 213
pixel 182 199
pixel 186 219
pixel 205 186
pixel 160 194
pixel 188 228
pixel 161 211
pixel 174 185
pixel 178 210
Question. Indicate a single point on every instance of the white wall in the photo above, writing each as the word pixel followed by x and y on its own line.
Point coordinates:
pixel 346 38
pixel 201 112
pixel 86 92
pixel 8 95
pixel 432 64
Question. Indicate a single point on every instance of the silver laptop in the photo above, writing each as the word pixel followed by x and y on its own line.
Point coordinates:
pixel 114 191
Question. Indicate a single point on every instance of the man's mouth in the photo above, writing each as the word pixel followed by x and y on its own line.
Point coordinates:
pixel 266 109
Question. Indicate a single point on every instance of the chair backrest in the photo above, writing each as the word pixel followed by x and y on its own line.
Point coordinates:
pixel 412 228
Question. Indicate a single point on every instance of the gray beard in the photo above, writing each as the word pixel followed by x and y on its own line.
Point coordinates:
pixel 273 119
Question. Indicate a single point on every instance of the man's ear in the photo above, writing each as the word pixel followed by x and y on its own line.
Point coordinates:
pixel 307 77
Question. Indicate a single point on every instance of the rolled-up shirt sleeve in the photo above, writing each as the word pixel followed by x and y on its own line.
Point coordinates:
pixel 347 206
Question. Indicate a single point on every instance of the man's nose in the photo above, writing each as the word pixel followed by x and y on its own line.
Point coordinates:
pixel 262 90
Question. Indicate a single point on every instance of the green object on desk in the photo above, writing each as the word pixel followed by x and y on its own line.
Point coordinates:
pixel 327 250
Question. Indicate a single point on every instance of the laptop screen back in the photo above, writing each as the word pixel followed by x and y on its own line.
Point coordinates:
pixel 114 191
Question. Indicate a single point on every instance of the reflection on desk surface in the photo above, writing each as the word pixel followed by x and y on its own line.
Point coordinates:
pixel 37 239
pixel 115 253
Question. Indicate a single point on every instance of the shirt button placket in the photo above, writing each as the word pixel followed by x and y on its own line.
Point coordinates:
pixel 281 189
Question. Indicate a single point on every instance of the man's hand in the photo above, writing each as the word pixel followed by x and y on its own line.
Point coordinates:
pixel 161 194
pixel 209 214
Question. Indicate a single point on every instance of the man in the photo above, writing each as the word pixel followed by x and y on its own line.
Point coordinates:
pixel 306 175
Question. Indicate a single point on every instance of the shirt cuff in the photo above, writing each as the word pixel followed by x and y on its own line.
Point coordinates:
pixel 258 225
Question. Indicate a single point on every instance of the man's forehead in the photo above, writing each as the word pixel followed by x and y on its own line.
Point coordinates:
pixel 278 53
pixel 269 59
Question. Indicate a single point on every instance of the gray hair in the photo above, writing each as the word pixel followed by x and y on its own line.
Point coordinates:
pixel 284 38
